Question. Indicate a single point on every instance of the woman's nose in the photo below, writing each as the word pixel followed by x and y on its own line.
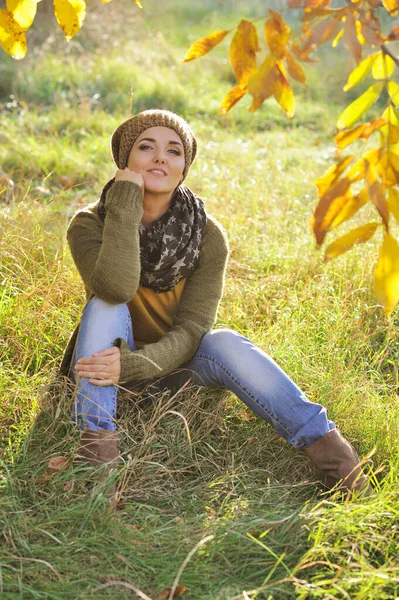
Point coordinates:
pixel 159 156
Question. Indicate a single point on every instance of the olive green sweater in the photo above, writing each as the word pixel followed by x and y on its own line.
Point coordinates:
pixel 107 255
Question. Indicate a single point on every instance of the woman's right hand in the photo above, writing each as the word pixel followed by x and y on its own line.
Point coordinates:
pixel 128 175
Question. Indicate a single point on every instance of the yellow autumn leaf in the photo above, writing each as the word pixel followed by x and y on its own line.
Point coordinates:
pixel 283 93
pixel 12 37
pixel 344 138
pixel 358 170
pixel 352 206
pixel 388 167
pixel 136 2
pixel 70 15
pixel 351 40
pixel 393 202
pixel 205 44
pixel 243 48
pixel 360 72
pixel 24 12
pixel 377 194
pixel 390 131
pixel 260 83
pixel 383 66
pixel 392 6
pixel 329 207
pixel 294 68
pixel 321 33
pixel 277 34
pixel 391 115
pixel 393 91
pixel 331 175
pixel 386 275
pixel 360 235
pixel 339 35
pixel 356 109
pixel 232 98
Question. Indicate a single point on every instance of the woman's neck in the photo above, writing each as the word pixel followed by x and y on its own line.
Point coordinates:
pixel 154 207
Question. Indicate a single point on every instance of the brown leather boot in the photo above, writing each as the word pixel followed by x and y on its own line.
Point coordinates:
pixel 101 448
pixel 334 455
pixel 98 447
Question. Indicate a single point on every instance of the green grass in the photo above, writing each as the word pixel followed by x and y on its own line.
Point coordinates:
pixel 273 532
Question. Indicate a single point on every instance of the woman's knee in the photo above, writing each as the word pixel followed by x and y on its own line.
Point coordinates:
pixel 98 306
pixel 221 340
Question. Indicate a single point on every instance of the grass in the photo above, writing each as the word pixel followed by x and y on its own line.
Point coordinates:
pixel 219 474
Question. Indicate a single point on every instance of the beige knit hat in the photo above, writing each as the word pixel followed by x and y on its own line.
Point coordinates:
pixel 126 134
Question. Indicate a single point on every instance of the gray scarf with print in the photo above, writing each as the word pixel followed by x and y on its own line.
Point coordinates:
pixel 170 247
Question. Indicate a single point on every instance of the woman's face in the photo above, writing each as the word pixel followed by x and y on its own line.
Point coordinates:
pixel 158 155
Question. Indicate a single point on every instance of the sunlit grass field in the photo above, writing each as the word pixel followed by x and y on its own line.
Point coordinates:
pixel 213 500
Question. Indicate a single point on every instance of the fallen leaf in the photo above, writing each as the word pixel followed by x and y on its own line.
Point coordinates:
pixel 66 182
pixel 179 591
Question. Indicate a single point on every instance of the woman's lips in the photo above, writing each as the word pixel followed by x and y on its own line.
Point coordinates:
pixel 157 172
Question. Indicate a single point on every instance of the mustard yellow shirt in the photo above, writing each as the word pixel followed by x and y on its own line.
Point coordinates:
pixel 152 314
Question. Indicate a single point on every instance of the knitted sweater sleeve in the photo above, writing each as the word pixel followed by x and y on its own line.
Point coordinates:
pixel 195 316
pixel 107 254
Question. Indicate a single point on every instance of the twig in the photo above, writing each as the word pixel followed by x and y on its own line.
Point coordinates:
pixel 129 586
pixel 184 563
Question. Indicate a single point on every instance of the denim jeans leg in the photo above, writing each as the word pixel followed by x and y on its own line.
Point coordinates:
pixel 226 358
pixel 94 406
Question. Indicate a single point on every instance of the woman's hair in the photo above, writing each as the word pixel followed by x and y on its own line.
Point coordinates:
pixel 126 134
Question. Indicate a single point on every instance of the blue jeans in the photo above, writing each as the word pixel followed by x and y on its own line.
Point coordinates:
pixel 224 358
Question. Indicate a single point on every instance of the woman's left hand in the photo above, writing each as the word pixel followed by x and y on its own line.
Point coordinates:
pixel 102 368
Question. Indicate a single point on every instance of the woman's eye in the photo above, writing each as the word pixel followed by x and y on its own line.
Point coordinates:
pixel 174 151
pixel 145 146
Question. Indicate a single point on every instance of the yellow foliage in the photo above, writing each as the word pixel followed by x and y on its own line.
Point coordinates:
pixel 70 15
pixel 393 202
pixel 329 207
pixel 386 276
pixel 205 44
pixel 24 12
pixel 360 235
pixel 360 72
pixel 283 93
pixel 331 175
pixel 351 207
pixel 376 192
pixel 232 98
pixel 12 37
pixel 243 48
pixel 354 111
pixel 358 170
pixel 392 6
pixel 344 138
pixel 383 66
pixel 260 83
pixel 277 34
pixel 351 40
pixel 294 69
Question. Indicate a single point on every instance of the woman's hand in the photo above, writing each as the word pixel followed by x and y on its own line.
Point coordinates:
pixel 128 175
pixel 102 368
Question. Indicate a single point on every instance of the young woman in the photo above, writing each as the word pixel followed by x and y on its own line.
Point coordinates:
pixel 153 262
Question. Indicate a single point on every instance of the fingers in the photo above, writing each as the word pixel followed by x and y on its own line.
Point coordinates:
pixel 91 373
pixel 99 361
pixel 101 382
pixel 103 368
pixel 108 351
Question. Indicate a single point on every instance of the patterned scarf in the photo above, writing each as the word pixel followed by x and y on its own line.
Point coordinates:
pixel 170 247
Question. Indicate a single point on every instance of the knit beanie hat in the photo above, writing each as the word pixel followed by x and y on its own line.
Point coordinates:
pixel 126 134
